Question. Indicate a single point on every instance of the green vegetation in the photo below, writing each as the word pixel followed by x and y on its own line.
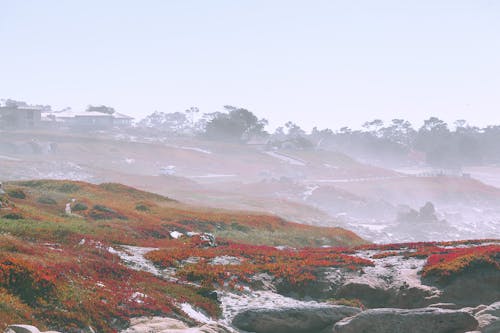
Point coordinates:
pixel 16 194
pixel 47 201
pixel 78 207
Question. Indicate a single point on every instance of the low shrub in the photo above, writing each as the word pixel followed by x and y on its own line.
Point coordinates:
pixel 78 207
pixel 17 194
pixel 69 188
pixel 104 209
pixel 142 208
pixel 101 212
pixel 13 216
pixel 47 201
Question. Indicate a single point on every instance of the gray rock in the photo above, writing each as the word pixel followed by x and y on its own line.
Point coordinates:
pixel 154 324
pixel 170 325
pixel 474 287
pixel 423 320
pixel 22 329
pixel 213 328
pixel 489 318
pixel 25 329
pixel 292 320
pixel 375 296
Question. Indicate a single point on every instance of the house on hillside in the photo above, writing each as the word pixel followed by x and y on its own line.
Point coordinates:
pixel 92 120
pixel 122 120
pixel 19 117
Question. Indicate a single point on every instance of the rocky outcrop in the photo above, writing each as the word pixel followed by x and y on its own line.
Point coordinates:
pixel 374 296
pixel 409 321
pixel 476 286
pixel 392 281
pixel 292 320
pixel 489 319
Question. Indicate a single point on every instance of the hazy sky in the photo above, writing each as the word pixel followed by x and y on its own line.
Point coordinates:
pixel 326 63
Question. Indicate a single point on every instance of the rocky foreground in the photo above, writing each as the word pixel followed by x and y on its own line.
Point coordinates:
pixel 398 292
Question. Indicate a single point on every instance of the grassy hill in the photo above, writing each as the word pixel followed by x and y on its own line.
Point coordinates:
pixel 56 269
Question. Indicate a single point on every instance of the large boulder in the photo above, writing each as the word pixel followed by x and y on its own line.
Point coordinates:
pixel 423 320
pixel 170 325
pixel 292 319
pixel 374 296
pixel 154 324
pixel 489 318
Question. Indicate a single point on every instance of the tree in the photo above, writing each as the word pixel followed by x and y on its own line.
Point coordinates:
pixel 434 124
pixel 345 130
pixel 434 138
pixel 13 103
pixel 101 109
pixel 400 131
pixel 175 123
pixel 294 130
pixel 374 126
pixel 237 124
pixel 191 114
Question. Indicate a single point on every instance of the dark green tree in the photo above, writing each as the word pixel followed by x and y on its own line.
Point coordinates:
pixel 236 124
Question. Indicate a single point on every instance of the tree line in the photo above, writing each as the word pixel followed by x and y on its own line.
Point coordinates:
pixel 436 143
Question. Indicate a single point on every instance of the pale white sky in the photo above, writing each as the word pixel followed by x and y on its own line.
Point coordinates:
pixel 326 63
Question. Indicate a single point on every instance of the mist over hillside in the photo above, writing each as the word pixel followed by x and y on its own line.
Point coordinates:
pixel 364 180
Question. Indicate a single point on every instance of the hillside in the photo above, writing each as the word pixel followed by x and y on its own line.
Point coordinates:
pixel 54 266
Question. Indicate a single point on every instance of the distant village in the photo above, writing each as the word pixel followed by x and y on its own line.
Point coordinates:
pixel 20 115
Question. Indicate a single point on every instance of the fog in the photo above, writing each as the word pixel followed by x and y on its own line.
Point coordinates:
pixel 386 182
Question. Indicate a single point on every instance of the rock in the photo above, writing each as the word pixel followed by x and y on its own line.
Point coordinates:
pixel 291 320
pixel 22 329
pixel 154 325
pixel 210 328
pixel 369 294
pixel 408 321
pixel 479 308
pixel 489 319
pixel 170 325
pixel 476 286
pixel 374 296
pixel 25 329
pixel 176 234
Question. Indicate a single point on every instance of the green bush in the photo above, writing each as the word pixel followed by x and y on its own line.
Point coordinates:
pixel 79 207
pixel 17 194
pixel 47 201
pixel 100 212
pixel 68 188
pixel 142 208
pixel 104 209
pixel 13 216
